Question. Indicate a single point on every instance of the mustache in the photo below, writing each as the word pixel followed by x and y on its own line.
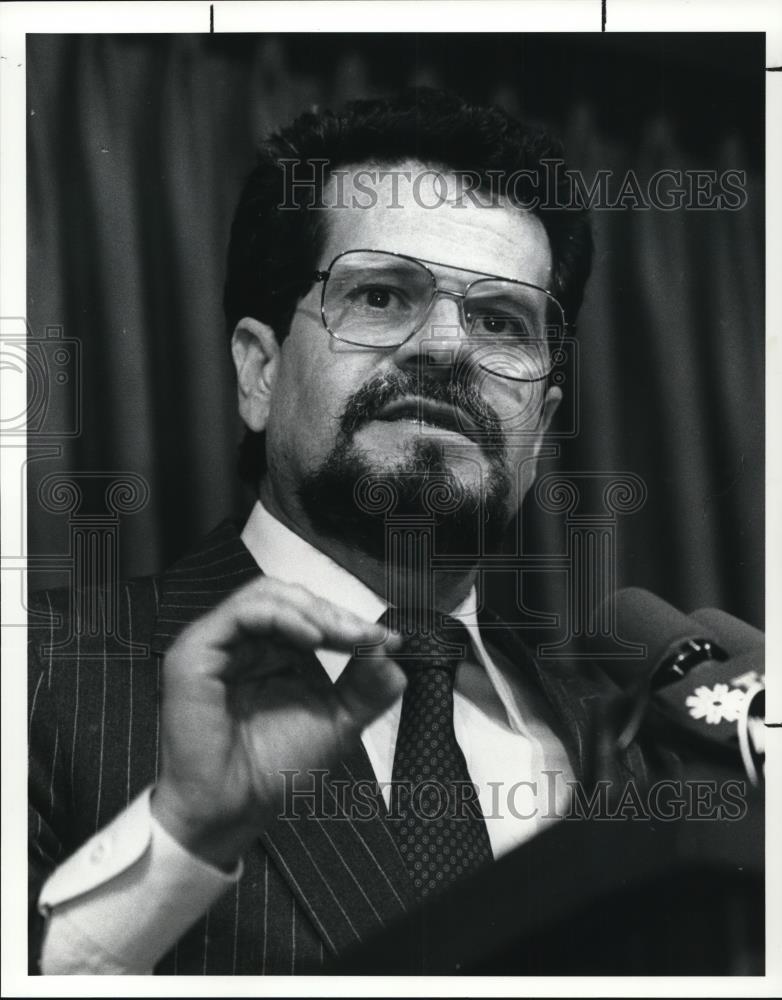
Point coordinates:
pixel 367 403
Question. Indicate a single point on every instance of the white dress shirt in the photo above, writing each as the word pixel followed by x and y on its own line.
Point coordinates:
pixel 124 898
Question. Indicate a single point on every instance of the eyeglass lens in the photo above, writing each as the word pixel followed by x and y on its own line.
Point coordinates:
pixel 376 299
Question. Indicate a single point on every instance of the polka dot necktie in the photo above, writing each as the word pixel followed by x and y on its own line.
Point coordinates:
pixel 435 814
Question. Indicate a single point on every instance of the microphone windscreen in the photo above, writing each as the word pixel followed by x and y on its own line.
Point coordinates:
pixel 732 634
pixel 642 617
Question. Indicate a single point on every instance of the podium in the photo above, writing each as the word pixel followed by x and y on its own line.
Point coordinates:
pixel 594 897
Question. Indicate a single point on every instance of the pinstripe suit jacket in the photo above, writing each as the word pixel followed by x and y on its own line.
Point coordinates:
pixel 310 889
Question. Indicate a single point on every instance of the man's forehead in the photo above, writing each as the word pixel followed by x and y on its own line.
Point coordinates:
pixel 418 210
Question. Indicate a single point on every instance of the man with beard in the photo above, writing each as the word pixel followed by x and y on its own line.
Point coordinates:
pixel 314 741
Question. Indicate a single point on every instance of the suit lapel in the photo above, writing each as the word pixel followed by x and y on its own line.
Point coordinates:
pixel 199 581
pixel 334 847
pixel 579 697
pixel 569 693
pixel 331 841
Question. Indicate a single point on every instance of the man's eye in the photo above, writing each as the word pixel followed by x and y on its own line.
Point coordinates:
pixel 378 298
pixel 500 325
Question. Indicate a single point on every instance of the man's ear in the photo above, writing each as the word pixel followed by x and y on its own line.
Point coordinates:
pixel 550 407
pixel 256 354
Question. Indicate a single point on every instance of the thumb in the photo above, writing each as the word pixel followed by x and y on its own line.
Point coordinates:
pixel 368 686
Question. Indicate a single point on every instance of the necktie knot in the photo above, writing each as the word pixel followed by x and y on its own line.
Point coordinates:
pixel 429 642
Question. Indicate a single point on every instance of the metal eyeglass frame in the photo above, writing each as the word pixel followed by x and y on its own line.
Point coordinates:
pixel 323 276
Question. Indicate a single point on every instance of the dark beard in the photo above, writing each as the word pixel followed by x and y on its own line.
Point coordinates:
pixel 349 500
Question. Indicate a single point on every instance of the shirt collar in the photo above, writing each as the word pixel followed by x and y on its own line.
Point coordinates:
pixel 283 554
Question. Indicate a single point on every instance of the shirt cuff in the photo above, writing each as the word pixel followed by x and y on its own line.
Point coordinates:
pixel 125 897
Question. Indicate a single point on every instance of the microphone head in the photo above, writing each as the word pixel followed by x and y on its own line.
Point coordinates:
pixel 734 635
pixel 640 616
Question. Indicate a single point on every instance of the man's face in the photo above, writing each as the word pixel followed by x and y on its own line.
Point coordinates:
pixel 389 411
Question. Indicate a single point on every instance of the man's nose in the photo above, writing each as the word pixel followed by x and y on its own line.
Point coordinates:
pixel 439 339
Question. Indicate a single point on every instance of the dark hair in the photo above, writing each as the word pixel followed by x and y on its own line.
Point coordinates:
pixel 273 251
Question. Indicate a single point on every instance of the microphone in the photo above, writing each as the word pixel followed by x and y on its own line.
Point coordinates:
pixel 734 635
pixel 674 643
pixel 702 673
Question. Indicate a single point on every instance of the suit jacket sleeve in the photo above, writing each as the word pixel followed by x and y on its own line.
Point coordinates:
pixel 47 797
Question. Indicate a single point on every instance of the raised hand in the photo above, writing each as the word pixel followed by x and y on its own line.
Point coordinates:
pixel 237 711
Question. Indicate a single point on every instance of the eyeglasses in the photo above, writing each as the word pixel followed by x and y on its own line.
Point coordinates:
pixel 380 299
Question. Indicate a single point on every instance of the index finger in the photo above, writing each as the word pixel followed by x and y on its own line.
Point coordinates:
pixel 270 605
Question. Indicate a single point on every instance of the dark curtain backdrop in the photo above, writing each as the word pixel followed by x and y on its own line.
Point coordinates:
pixel 137 149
